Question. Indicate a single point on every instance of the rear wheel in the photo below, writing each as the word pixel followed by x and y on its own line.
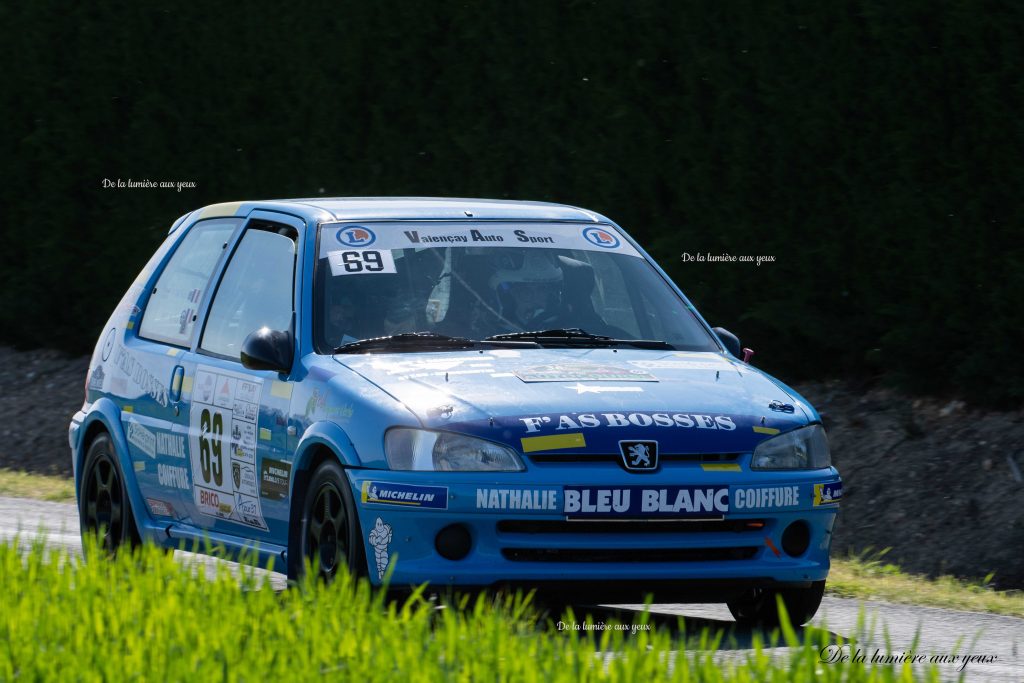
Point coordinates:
pixel 329 536
pixel 103 507
pixel 759 607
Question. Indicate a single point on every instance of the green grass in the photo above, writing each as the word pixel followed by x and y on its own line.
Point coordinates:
pixel 39 486
pixel 868 576
pixel 149 617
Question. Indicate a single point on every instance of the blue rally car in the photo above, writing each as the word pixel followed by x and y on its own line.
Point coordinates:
pixel 469 393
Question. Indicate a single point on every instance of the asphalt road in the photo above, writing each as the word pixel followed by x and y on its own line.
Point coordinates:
pixel 888 629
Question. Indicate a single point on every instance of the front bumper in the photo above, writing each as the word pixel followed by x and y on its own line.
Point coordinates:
pixel 524 539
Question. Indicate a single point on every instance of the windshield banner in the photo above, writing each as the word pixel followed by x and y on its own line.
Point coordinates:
pixel 418 235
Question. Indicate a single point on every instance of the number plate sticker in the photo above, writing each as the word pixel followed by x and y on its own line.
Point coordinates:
pixel 222 444
pixel 361 261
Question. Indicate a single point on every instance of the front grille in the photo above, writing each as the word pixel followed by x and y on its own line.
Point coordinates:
pixel 634 555
pixel 544 458
pixel 631 527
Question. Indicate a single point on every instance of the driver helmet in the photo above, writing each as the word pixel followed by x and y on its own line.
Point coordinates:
pixel 528 287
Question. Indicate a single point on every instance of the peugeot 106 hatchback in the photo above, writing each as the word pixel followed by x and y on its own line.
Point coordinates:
pixel 470 393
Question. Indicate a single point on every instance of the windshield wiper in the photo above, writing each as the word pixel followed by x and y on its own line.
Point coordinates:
pixel 407 341
pixel 576 336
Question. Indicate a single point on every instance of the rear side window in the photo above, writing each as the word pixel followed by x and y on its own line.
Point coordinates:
pixel 256 291
pixel 171 312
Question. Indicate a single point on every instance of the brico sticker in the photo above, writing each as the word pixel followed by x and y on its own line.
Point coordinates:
pixel 222 445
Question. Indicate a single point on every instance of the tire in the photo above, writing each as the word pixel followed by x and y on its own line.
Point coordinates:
pixel 328 531
pixel 103 501
pixel 759 608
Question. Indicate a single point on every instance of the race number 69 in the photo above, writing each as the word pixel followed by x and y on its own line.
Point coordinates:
pixel 361 261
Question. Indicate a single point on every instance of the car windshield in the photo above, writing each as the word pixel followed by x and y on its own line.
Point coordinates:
pixel 475 281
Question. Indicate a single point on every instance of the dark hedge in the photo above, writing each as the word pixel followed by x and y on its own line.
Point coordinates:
pixel 873 148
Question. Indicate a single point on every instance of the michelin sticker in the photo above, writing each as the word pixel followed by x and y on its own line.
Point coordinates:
pixel 828 494
pixel 671 502
pixel 380 538
pixel 407 495
pixel 222 444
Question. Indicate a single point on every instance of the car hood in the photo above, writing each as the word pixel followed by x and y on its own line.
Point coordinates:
pixel 588 399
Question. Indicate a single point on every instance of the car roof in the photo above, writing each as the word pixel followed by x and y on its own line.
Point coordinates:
pixel 410 208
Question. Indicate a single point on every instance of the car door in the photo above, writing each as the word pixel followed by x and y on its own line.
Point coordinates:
pixel 237 422
pixel 150 366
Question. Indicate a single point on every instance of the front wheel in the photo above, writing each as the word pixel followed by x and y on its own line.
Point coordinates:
pixel 329 536
pixel 759 607
pixel 103 505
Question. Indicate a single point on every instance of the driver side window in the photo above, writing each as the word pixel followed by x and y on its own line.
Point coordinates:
pixel 255 292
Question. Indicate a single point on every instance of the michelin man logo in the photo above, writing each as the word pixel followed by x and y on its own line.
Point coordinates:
pixel 380 538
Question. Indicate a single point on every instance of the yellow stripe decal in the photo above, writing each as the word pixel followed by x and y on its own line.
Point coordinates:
pixel 129 325
pixel 552 443
pixel 264 434
pixel 173 352
pixel 140 465
pixel 186 385
pixel 281 389
pixel 721 467
pixel 766 430
pixel 128 409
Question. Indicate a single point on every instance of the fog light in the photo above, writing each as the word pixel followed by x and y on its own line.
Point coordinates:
pixel 453 542
pixel 796 538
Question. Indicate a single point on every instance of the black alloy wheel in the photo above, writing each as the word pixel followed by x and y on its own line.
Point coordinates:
pixel 330 538
pixel 104 510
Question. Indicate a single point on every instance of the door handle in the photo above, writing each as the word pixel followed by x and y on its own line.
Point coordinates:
pixel 176 380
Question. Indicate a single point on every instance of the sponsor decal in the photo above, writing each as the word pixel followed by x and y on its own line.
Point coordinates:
pixel 601 237
pixel 142 438
pixel 96 378
pixel 755 498
pixel 141 376
pixel 573 372
pixel 672 502
pixel 222 435
pixel 639 456
pixel 380 539
pixel 172 477
pixel 316 406
pixel 638 419
pixel 770 431
pixel 108 344
pixel 517 499
pixel 441 234
pixel 274 477
pixel 171 445
pixel 828 494
pixel 160 508
pixel 356 236
pixel 408 495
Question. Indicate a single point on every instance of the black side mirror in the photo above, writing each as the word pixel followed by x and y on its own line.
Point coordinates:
pixel 729 340
pixel 267 349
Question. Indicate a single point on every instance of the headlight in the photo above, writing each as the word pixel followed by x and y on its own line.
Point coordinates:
pixel 801 449
pixel 419 449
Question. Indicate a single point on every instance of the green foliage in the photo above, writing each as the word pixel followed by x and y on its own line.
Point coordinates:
pixel 872 147
pixel 147 617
